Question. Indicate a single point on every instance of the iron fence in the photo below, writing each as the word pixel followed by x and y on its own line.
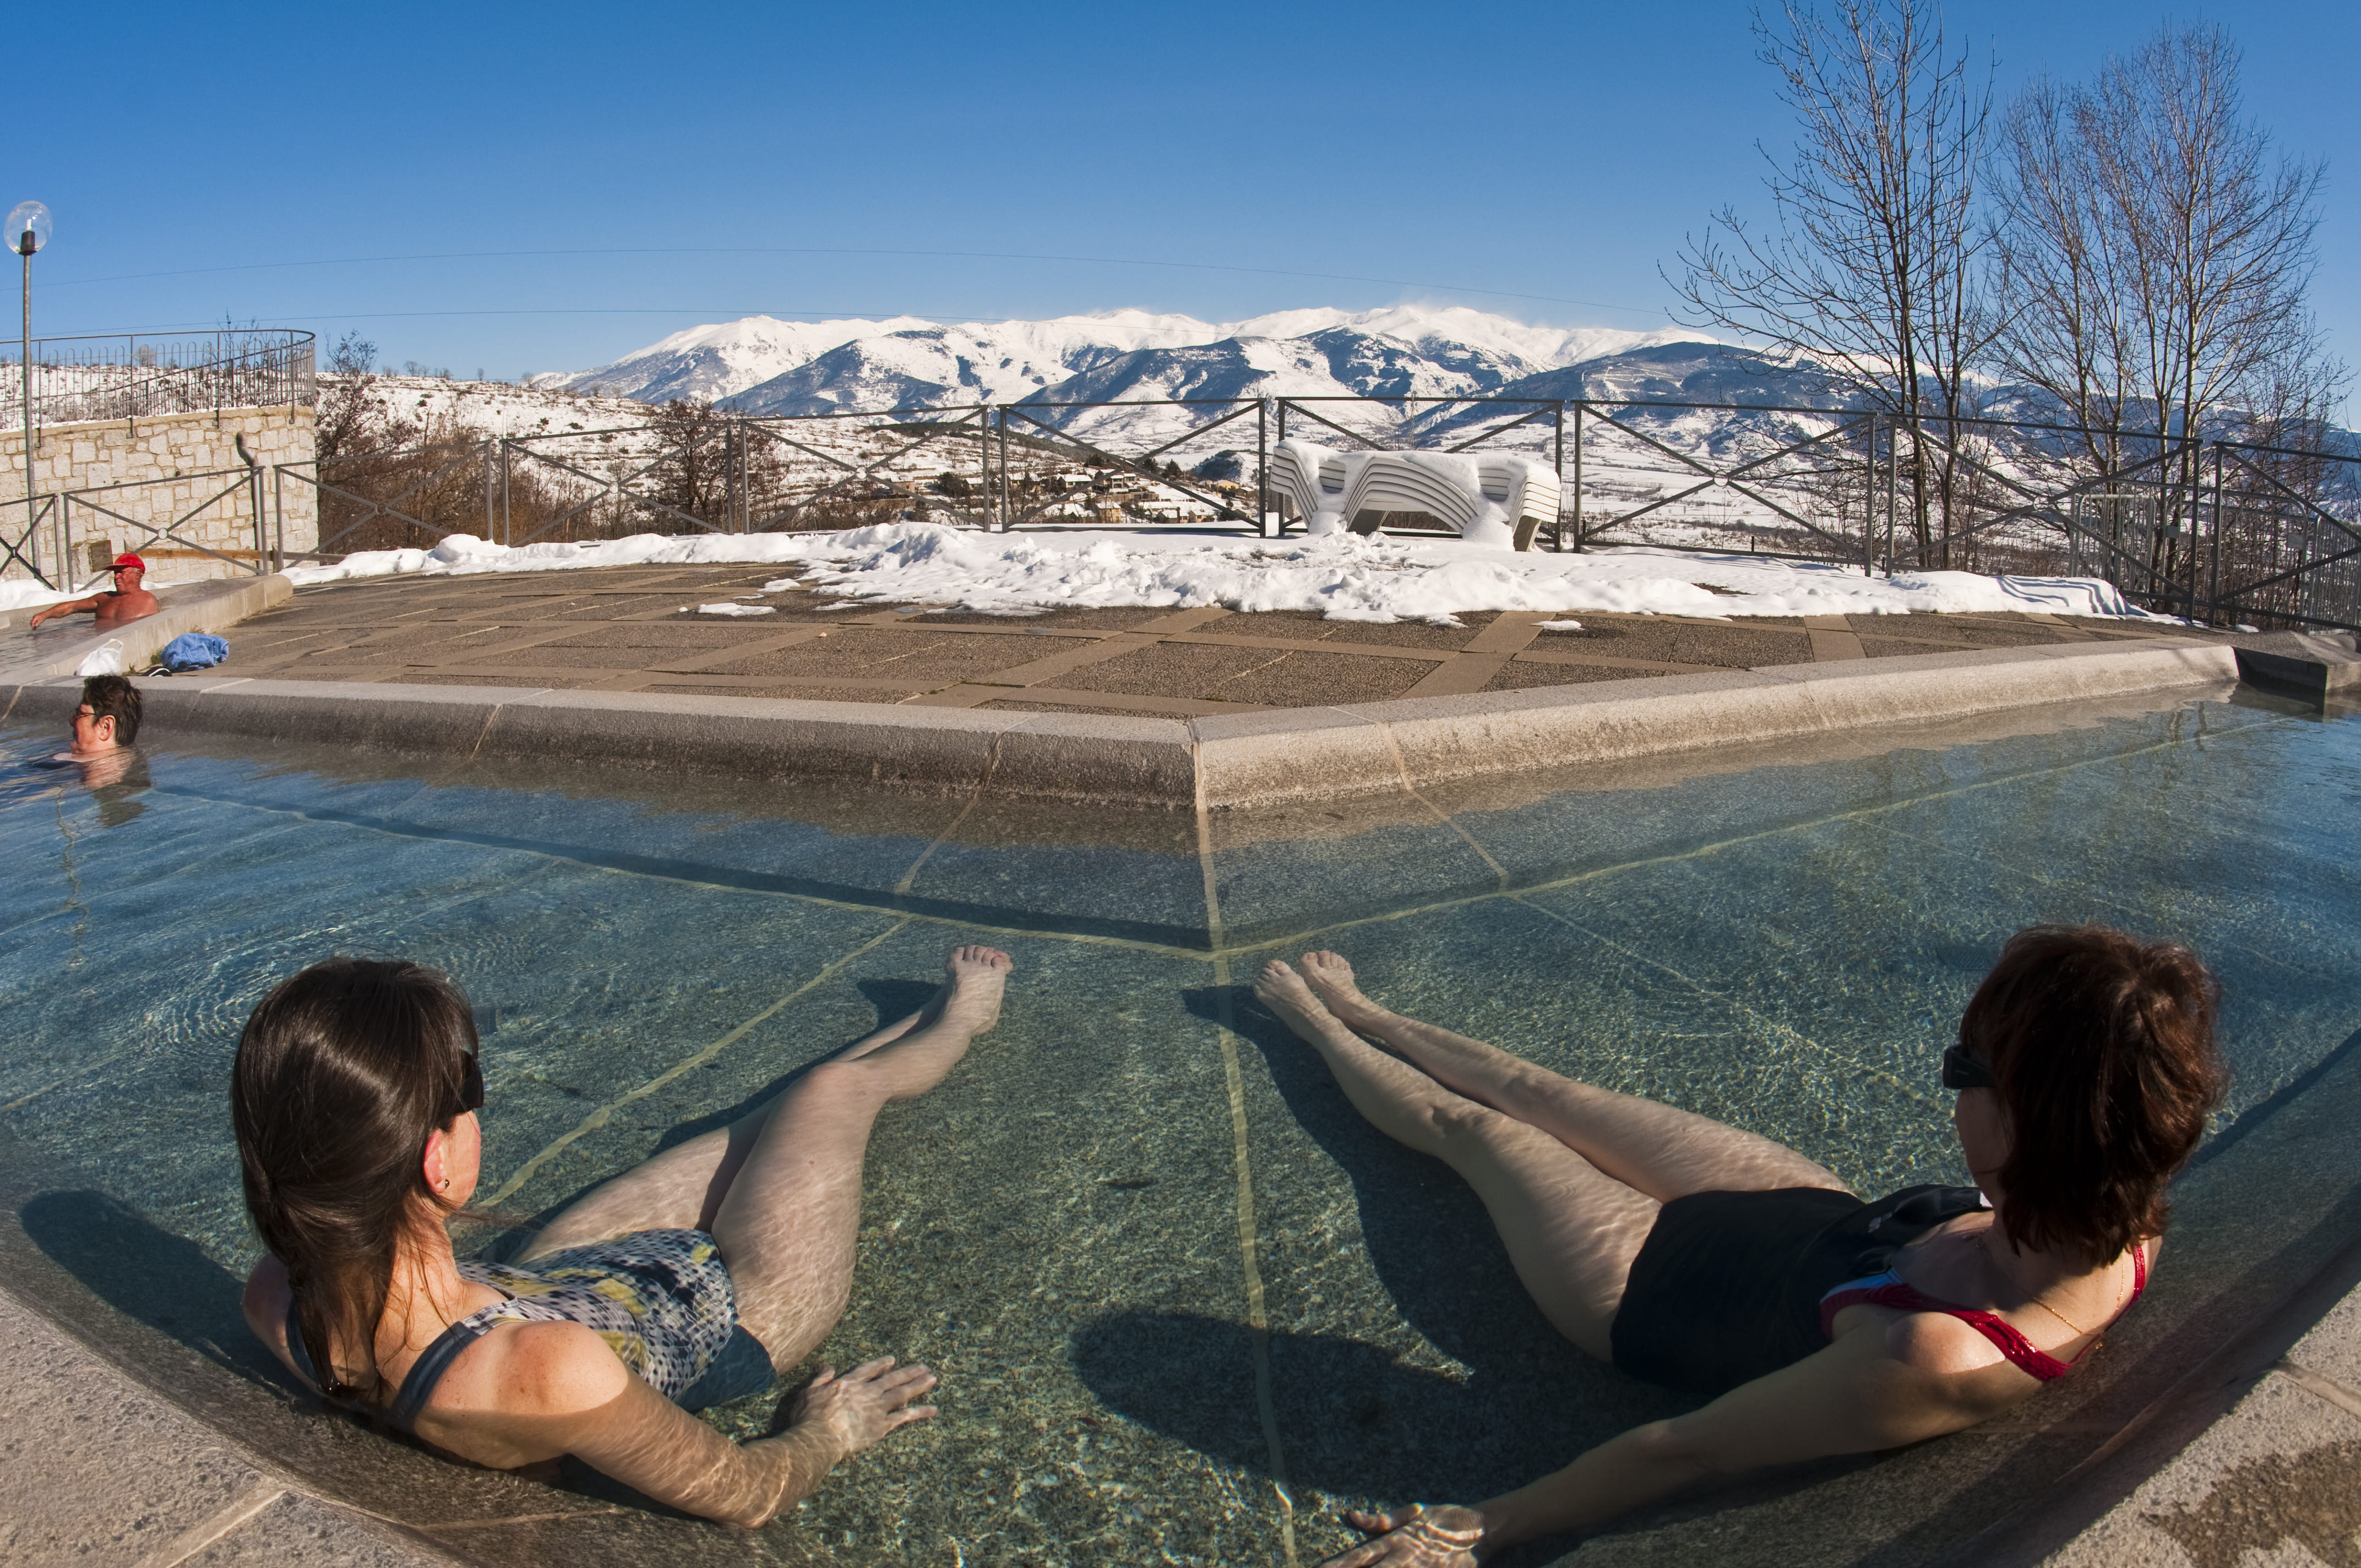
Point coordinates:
pixel 70 536
pixel 135 376
pixel 2213 530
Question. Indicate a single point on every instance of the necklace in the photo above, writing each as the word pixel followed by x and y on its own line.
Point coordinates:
pixel 2037 1301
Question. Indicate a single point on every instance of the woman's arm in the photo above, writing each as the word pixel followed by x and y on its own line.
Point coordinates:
pixel 1854 1397
pixel 265 1306
pixel 559 1389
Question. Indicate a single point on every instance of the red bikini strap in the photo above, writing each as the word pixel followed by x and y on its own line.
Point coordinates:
pixel 2004 1338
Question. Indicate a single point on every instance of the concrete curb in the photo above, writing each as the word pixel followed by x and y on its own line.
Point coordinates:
pixel 1263 757
pixel 1252 758
pixel 187 606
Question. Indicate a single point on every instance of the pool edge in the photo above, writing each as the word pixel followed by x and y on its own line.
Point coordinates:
pixel 1264 758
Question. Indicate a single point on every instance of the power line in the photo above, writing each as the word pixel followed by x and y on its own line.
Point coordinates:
pixel 817 251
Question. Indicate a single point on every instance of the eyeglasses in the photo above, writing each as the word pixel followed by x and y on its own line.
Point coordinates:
pixel 471 1087
pixel 1962 1070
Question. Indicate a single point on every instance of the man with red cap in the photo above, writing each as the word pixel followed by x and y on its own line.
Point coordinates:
pixel 126 601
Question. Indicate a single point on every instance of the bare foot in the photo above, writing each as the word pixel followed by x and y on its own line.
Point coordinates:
pixel 970 1000
pixel 1282 990
pixel 976 976
pixel 1331 979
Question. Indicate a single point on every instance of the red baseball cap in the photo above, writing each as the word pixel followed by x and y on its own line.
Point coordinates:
pixel 128 562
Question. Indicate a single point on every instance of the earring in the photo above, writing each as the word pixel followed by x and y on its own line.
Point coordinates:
pixel 445 1182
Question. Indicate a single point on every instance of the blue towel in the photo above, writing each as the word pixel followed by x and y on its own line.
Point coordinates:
pixel 192 651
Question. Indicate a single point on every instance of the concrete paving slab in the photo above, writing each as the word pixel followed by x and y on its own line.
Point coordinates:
pixel 2277 1480
pixel 94 1468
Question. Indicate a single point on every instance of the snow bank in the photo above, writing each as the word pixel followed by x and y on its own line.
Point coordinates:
pixel 25 592
pixel 464 555
pixel 1340 576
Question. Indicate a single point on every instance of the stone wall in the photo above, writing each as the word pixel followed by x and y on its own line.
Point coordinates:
pixel 155 460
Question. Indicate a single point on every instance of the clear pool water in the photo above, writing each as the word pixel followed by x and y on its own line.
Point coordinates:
pixel 1163 1269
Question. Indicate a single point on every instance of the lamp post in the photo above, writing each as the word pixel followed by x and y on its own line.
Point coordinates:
pixel 27 231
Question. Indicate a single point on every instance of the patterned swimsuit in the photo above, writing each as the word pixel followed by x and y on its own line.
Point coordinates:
pixel 661 1299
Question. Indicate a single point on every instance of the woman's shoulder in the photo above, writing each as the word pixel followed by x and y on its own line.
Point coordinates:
pixel 526 1369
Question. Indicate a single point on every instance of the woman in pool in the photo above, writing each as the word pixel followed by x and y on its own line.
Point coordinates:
pixel 1711 1260
pixel 355 1098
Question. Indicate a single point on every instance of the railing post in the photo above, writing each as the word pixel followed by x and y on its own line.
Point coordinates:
pixel 489 445
pixel 278 518
pixel 2214 591
pixel 1262 467
pixel 508 517
pixel 1893 470
pixel 1557 458
pixel 1006 505
pixel 984 464
pixel 1581 527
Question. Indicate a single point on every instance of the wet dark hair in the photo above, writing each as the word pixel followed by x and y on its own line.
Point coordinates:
pixel 2102 1048
pixel 342 1073
pixel 113 697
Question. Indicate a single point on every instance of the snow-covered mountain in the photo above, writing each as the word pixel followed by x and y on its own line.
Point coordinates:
pixel 763 365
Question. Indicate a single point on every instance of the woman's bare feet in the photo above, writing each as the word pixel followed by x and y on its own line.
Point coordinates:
pixel 967 1000
pixel 970 999
pixel 1282 990
pixel 1330 980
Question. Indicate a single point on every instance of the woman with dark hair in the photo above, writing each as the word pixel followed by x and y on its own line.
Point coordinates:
pixel 693 1278
pixel 1716 1262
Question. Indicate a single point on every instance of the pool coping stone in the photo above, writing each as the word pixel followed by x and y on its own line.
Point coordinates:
pixel 1263 757
pixel 109 1456
pixel 214 605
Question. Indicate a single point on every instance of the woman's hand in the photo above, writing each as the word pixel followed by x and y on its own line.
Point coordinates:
pixel 1415 1537
pixel 862 1406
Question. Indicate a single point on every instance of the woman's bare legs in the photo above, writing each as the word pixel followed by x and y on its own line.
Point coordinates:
pixel 1664 1152
pixel 1571 1232
pixel 780 1189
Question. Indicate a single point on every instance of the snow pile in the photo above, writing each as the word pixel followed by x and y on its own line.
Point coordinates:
pixel 1349 577
pixel 1341 576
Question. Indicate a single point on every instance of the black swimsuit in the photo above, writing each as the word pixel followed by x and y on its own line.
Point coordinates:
pixel 1727 1286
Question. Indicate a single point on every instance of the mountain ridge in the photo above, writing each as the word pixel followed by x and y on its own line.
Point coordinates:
pixel 762 364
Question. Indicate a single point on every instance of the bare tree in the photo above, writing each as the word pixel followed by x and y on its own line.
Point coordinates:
pixel 1873 267
pixel 2154 257
pixel 349 417
pixel 710 465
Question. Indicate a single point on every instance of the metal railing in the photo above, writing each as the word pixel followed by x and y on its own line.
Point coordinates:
pixel 136 375
pixel 2217 531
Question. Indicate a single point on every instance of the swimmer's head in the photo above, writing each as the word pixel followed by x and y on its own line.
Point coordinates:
pixel 108 715
pixel 2100 1047
pixel 350 1097
pixel 129 570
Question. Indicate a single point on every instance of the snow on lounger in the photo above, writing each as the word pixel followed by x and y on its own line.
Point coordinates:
pixel 1494 500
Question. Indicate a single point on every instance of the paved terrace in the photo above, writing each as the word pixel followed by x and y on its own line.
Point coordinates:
pixel 637 628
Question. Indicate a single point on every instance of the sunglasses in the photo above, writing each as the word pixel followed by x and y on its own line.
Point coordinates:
pixel 471 1086
pixel 1960 1070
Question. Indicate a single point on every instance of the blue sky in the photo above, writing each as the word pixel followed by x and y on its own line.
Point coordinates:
pixel 300 166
